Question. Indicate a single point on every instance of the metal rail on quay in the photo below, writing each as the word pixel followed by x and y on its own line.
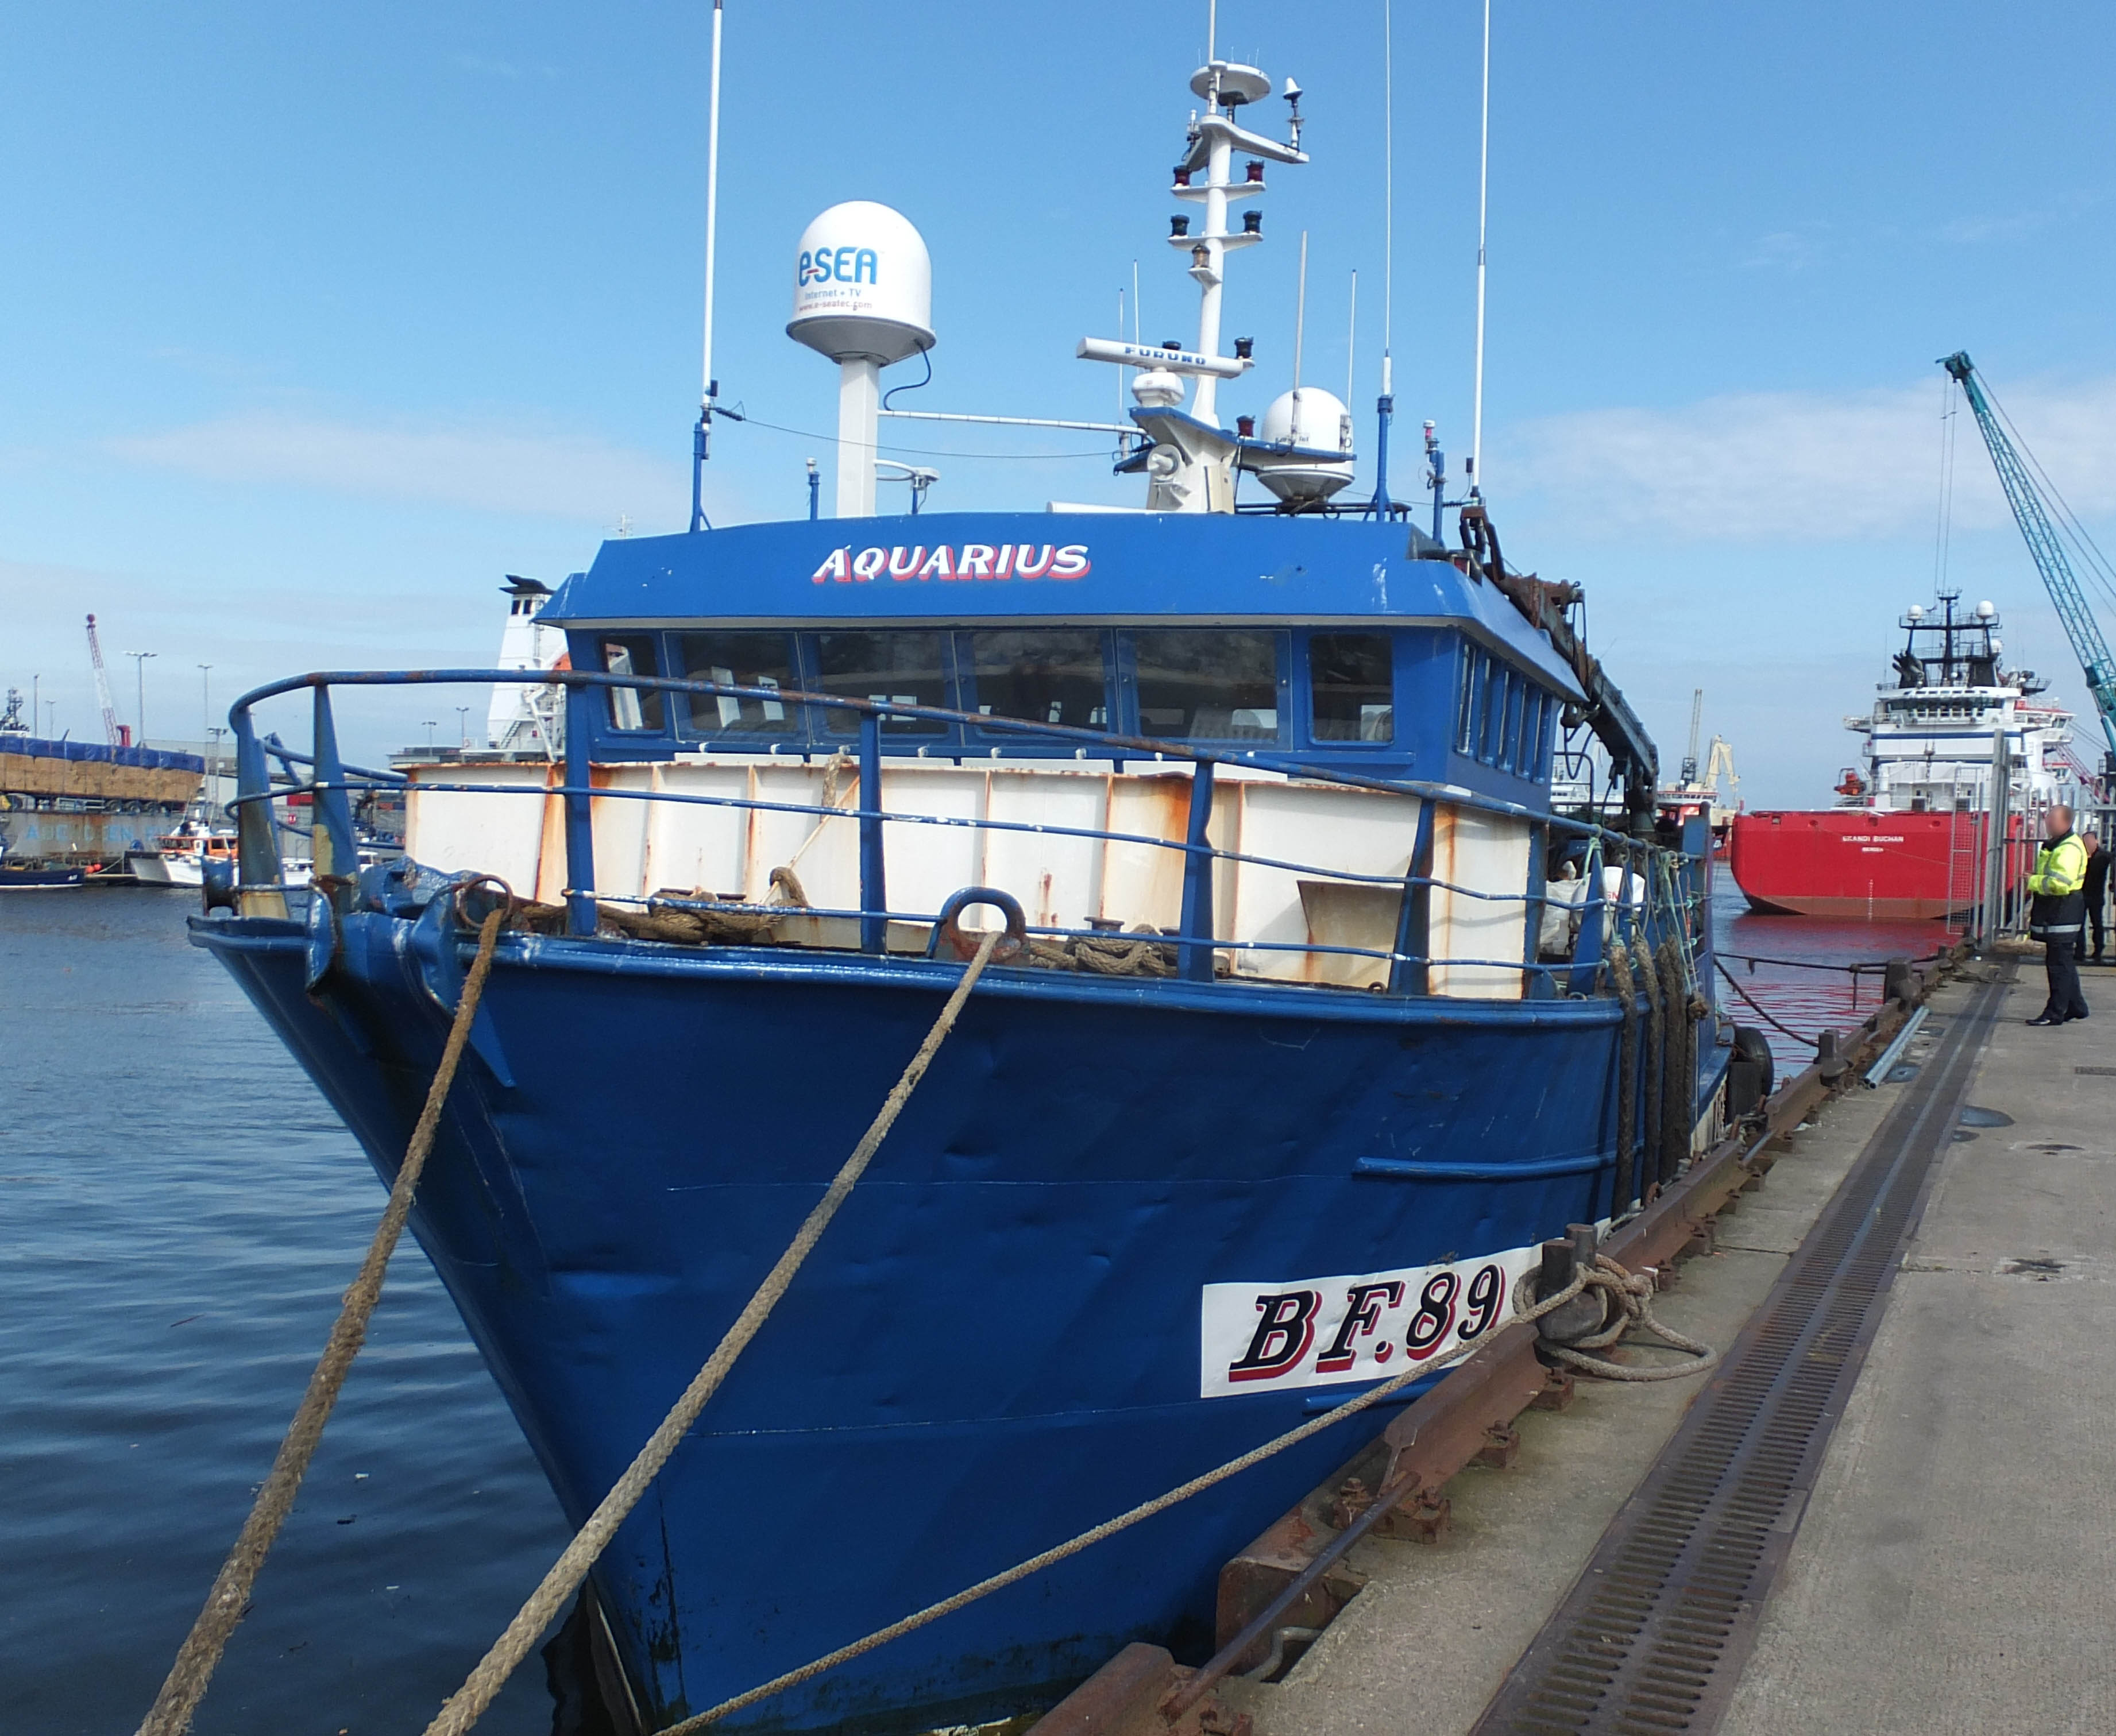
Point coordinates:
pixel 1290 1578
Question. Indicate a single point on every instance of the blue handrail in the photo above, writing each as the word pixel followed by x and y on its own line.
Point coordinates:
pixel 1195 941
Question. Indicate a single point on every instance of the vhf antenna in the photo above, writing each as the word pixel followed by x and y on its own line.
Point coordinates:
pixel 702 435
pixel 1385 405
pixel 1483 189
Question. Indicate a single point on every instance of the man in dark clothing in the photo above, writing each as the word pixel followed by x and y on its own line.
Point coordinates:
pixel 2058 913
pixel 2097 887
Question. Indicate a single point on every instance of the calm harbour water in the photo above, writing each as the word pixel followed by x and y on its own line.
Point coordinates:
pixel 181 1212
pixel 1806 1001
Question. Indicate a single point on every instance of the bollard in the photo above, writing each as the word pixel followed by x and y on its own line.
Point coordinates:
pixel 1562 1260
pixel 1828 1058
pixel 1899 981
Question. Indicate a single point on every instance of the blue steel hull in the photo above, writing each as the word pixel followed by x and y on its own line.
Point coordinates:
pixel 996 1343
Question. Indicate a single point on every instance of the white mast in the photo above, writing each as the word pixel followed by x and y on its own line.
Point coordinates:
pixel 1483 187
pixel 1191 466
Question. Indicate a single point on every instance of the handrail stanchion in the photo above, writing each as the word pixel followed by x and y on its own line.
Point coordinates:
pixel 581 917
pixel 333 849
pixel 257 851
pixel 1414 926
pixel 874 882
pixel 1195 953
pixel 1539 855
pixel 1588 951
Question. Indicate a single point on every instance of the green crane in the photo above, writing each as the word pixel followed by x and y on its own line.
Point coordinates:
pixel 2031 512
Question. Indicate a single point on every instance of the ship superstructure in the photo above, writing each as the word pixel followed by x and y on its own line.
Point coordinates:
pixel 1928 738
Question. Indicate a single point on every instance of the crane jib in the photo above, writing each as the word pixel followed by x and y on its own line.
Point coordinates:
pixel 2045 546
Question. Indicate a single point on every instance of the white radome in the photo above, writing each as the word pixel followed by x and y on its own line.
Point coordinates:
pixel 1158 388
pixel 1316 420
pixel 862 285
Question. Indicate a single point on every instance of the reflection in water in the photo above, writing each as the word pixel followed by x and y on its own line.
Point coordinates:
pixel 1808 1001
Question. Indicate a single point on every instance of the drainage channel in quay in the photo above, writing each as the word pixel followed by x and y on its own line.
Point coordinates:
pixel 1654 1634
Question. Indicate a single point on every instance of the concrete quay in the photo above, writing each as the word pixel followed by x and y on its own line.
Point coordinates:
pixel 1952 1568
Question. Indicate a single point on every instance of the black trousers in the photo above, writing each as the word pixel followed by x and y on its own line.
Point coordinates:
pixel 2061 962
pixel 2094 913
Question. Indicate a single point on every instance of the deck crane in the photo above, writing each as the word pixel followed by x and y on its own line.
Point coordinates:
pixel 115 733
pixel 2017 473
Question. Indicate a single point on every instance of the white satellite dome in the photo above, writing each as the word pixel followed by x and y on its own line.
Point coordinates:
pixel 1316 421
pixel 862 285
pixel 1985 611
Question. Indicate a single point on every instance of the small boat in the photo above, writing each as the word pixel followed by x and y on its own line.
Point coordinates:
pixel 40 876
pixel 1909 834
pixel 178 858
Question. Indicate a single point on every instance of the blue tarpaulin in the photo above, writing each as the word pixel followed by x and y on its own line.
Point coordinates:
pixel 152 759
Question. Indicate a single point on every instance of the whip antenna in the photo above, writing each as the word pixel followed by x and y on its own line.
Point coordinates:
pixel 1385 404
pixel 1483 187
pixel 1352 339
pixel 709 386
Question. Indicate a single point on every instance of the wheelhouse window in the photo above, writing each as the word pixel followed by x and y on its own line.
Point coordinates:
pixel 1044 675
pixel 1491 735
pixel 1351 682
pixel 632 654
pixel 900 667
pixel 1476 673
pixel 1535 715
pixel 739 660
pixel 1207 684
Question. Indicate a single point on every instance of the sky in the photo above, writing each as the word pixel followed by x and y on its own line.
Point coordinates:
pixel 315 323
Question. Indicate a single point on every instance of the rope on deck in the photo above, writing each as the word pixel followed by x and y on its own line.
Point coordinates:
pixel 464 1707
pixel 226 1603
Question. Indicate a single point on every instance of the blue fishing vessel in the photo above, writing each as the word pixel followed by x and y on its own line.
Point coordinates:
pixel 1311 1022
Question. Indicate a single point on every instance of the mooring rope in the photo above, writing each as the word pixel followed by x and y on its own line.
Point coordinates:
pixel 1632 1292
pixel 1678 1066
pixel 1124 1521
pixel 1625 1189
pixel 1757 1008
pixel 202 1650
pixel 1647 969
pixel 463 1708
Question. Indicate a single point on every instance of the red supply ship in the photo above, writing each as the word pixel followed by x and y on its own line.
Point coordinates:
pixel 1906 838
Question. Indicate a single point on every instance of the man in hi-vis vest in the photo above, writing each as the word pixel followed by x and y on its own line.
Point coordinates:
pixel 2058 914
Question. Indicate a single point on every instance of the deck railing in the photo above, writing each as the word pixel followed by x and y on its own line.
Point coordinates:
pixel 1659 891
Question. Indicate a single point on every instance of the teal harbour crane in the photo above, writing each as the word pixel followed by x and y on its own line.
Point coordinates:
pixel 2031 500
